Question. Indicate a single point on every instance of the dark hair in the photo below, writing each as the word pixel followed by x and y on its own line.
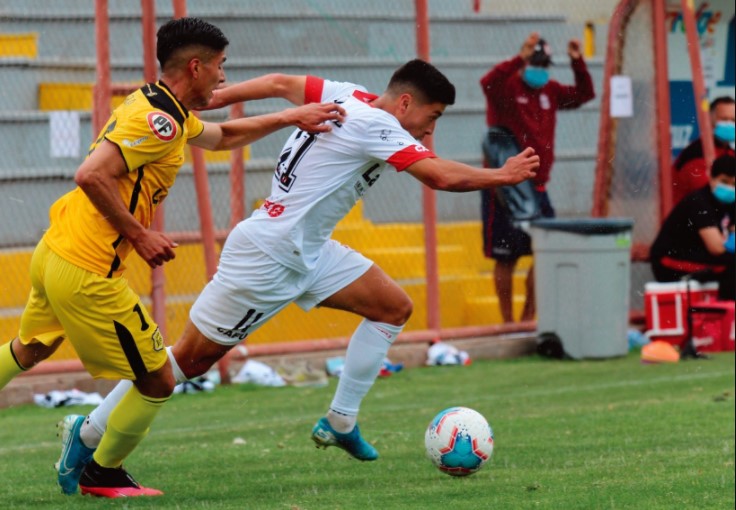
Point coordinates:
pixel 424 79
pixel 720 100
pixel 724 165
pixel 186 32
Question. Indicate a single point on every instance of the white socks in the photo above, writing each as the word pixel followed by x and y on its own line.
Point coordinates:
pixel 363 360
pixel 96 423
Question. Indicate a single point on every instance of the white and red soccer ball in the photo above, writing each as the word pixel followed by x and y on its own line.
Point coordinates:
pixel 459 441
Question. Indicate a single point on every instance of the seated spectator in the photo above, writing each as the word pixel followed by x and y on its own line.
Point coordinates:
pixel 698 235
pixel 689 172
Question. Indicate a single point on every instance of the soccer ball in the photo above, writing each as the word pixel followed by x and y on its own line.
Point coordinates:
pixel 459 441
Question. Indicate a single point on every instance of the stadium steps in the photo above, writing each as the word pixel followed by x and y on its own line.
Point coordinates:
pixel 466 286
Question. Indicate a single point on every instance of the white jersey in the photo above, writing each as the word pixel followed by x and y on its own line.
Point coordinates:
pixel 319 177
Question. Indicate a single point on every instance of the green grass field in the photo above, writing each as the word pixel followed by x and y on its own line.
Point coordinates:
pixel 613 434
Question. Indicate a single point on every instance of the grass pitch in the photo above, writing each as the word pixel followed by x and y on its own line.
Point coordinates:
pixel 612 434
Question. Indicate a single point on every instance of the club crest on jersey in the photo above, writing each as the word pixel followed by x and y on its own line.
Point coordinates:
pixel 158 340
pixel 544 102
pixel 162 125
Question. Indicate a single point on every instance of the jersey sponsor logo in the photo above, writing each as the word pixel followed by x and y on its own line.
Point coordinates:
pixel 240 334
pixel 162 125
pixel 273 209
pixel 134 143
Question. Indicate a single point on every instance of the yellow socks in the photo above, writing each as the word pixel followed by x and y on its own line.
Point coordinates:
pixel 9 366
pixel 128 424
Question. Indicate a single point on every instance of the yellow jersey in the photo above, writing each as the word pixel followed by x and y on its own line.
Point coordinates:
pixel 150 128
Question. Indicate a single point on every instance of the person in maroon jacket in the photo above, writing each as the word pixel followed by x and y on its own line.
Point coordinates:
pixel 522 104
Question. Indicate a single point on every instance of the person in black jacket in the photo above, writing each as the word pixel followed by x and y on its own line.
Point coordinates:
pixel 697 237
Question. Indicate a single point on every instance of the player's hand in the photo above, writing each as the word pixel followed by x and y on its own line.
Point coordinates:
pixel 573 49
pixel 154 247
pixel 521 167
pixel 316 117
pixel 216 101
pixel 527 47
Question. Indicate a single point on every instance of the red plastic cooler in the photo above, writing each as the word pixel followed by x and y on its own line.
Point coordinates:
pixel 665 307
pixel 713 326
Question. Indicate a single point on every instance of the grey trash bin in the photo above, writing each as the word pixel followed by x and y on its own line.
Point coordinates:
pixel 581 279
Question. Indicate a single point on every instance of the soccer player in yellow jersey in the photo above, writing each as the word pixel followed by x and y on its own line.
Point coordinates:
pixel 77 292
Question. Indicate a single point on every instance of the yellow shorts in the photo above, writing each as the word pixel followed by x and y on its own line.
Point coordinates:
pixel 103 318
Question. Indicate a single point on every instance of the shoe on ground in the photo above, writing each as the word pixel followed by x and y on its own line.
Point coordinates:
pixel 111 483
pixel 352 442
pixel 74 454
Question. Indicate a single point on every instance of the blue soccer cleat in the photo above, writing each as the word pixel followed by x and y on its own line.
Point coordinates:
pixel 74 455
pixel 352 442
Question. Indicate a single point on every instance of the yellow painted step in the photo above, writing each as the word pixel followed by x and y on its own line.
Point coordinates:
pixel 409 262
pixel 69 96
pixel 485 310
pixel 21 45
pixel 15 281
pixel 366 235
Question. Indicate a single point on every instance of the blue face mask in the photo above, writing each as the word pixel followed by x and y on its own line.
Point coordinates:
pixel 725 131
pixel 724 193
pixel 535 77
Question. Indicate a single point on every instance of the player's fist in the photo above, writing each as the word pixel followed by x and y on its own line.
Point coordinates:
pixel 154 247
pixel 573 49
pixel 527 47
pixel 521 167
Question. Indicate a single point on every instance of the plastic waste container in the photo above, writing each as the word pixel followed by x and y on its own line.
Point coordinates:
pixel 581 276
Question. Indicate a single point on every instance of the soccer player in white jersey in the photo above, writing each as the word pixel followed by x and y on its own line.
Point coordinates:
pixel 283 253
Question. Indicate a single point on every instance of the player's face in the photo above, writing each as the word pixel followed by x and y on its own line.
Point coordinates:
pixel 420 118
pixel 210 76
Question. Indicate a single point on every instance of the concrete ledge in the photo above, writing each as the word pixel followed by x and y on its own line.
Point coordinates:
pixel 21 390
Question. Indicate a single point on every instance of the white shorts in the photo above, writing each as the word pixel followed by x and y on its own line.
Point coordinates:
pixel 250 287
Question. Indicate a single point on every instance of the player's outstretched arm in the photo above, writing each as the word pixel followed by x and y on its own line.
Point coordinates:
pixel 448 175
pixel 285 86
pixel 313 117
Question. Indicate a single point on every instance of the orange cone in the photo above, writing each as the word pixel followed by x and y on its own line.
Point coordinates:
pixel 659 352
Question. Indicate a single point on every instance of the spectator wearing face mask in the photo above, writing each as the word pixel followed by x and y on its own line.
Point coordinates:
pixel 521 111
pixel 689 171
pixel 698 234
